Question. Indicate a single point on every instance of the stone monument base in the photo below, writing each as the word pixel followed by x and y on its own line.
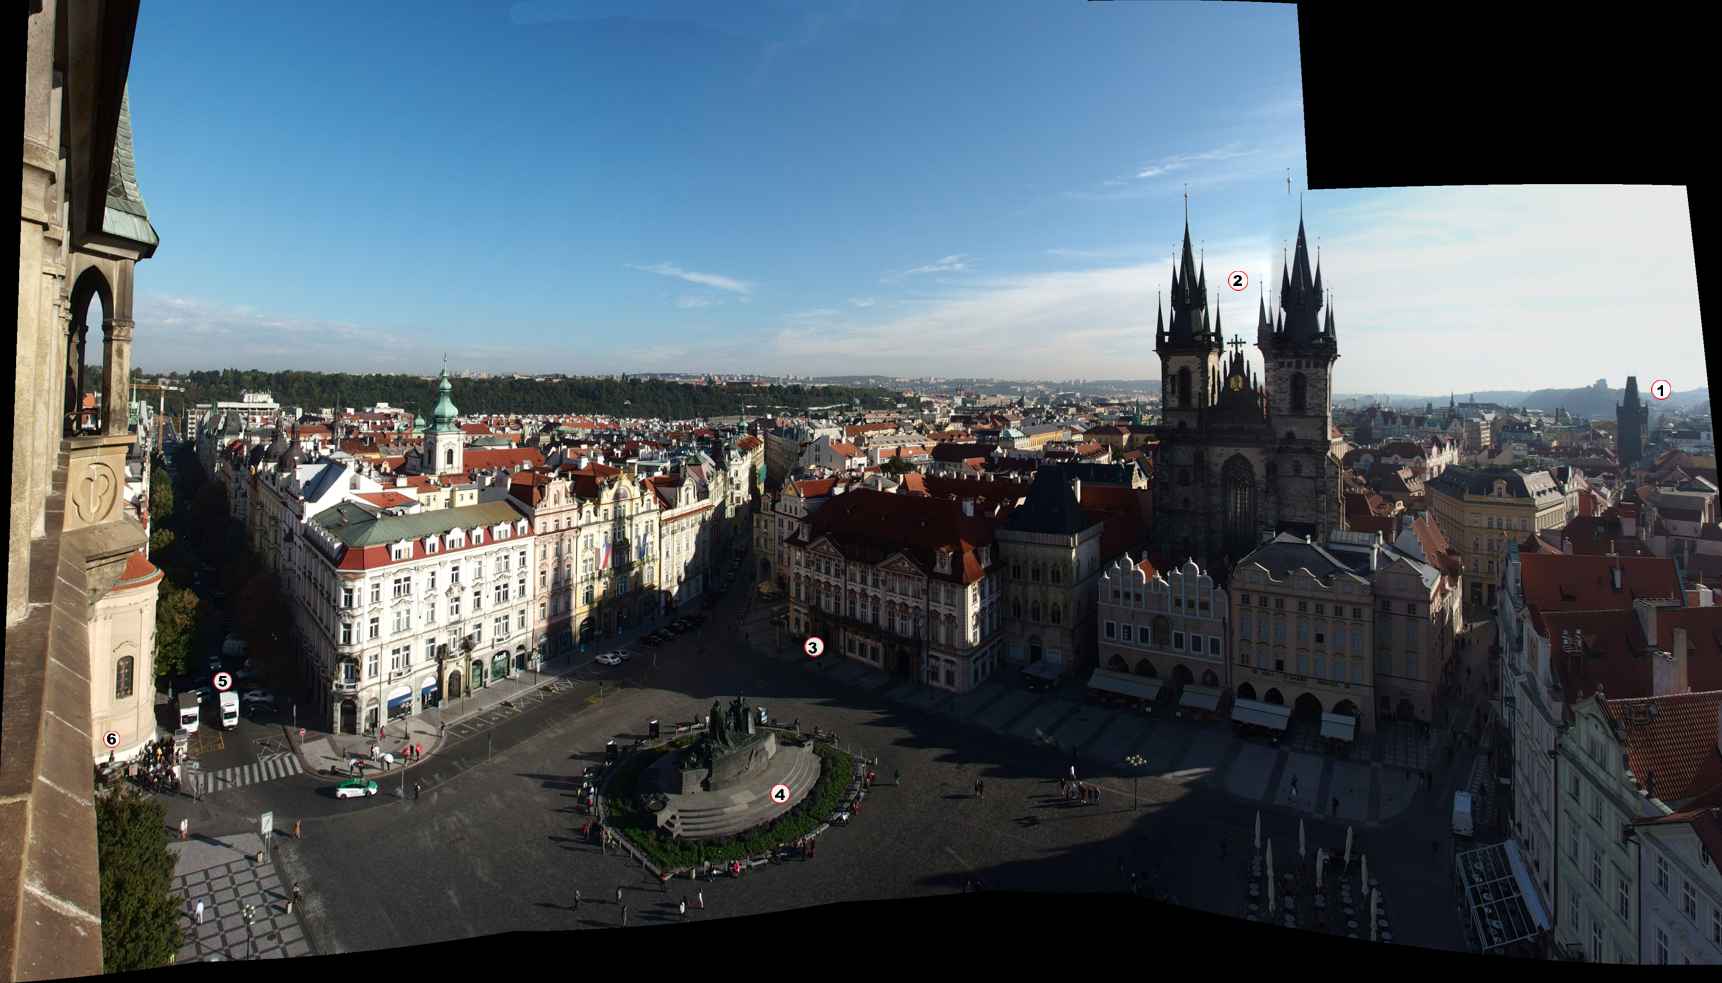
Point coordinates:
pixel 699 814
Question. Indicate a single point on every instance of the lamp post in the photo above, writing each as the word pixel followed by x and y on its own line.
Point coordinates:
pixel 1138 762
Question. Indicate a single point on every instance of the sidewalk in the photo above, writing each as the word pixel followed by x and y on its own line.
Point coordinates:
pixel 224 874
pixel 320 751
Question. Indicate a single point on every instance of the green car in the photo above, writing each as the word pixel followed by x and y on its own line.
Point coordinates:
pixel 355 788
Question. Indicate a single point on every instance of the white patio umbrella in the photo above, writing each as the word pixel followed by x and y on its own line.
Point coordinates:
pixel 1348 847
pixel 1258 830
pixel 1300 845
pixel 1364 884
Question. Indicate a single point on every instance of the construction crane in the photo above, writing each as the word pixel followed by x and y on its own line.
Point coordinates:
pixel 160 390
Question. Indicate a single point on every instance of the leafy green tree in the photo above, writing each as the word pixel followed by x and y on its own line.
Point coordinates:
pixel 897 465
pixel 178 617
pixel 160 496
pixel 140 915
pixel 160 538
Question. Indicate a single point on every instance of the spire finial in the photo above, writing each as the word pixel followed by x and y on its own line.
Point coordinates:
pixel 1186 204
pixel 1288 182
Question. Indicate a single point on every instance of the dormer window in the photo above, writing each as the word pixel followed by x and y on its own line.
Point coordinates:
pixel 478 537
pixel 431 545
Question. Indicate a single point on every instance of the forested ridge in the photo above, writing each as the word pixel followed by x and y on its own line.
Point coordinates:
pixel 624 397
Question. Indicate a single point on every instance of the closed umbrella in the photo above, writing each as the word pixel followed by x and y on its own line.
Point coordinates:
pixel 1364 884
pixel 1270 878
pixel 1374 920
pixel 1348 848
pixel 1258 830
pixel 1300 852
pixel 1320 855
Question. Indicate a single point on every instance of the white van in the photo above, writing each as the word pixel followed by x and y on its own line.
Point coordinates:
pixel 188 712
pixel 229 710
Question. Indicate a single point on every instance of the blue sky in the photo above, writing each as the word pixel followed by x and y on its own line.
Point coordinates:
pixel 990 188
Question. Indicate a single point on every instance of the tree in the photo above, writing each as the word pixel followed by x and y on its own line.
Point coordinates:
pixel 160 538
pixel 160 496
pixel 178 616
pixel 140 915
pixel 897 465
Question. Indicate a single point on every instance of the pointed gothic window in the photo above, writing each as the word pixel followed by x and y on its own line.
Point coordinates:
pixel 1299 392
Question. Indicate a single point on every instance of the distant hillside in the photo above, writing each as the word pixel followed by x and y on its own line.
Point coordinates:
pixel 626 396
pixel 1589 401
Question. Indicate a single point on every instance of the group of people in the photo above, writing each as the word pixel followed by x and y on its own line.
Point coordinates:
pixel 156 768
pixel 1080 792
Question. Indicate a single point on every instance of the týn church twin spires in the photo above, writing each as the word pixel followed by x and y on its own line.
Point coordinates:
pixel 1243 458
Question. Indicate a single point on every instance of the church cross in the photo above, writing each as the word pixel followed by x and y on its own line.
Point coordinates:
pixel 1237 345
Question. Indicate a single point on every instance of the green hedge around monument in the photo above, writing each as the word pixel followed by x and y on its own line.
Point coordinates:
pixel 836 771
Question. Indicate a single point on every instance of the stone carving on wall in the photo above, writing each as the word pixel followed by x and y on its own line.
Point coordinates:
pixel 96 493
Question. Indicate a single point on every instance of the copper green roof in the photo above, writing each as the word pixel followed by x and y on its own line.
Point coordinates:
pixel 358 527
pixel 125 215
pixel 445 412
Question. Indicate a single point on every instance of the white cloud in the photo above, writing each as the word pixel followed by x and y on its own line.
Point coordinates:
pixel 958 263
pixel 1178 162
pixel 194 333
pixel 691 302
pixel 862 302
pixel 703 279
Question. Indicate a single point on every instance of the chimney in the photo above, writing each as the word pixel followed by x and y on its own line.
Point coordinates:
pixel 1669 673
pixel 1646 620
pixel 1700 596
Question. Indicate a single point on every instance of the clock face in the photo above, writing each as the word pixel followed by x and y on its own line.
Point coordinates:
pixel 1237 383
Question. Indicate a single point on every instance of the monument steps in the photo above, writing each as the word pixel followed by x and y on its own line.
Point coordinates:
pixel 715 814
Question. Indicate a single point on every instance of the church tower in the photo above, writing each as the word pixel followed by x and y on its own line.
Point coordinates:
pixel 1191 349
pixel 1299 350
pixel 444 443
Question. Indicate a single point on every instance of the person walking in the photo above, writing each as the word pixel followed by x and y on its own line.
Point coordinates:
pixel 700 899
pixel 980 789
pixel 298 897
pixel 417 788
pixel 624 916
pixel 618 895
pixel 1335 810
pixel 200 911
pixel 576 899
pixel 683 905
pixel 897 776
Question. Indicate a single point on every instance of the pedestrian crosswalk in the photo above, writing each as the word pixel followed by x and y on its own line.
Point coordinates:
pixel 264 769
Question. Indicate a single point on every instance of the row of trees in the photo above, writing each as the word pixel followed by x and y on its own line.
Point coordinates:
pixel 625 396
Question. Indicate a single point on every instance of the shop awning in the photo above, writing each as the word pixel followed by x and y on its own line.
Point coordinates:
pixel 1256 713
pixel 1200 698
pixel 399 696
pixel 1125 684
pixel 427 684
pixel 1043 669
pixel 1339 726
pixel 1500 896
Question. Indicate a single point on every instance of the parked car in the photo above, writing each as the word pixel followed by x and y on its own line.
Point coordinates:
pixel 613 658
pixel 355 788
pixel 258 698
pixel 652 641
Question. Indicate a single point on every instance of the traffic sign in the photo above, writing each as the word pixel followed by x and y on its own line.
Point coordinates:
pixel 814 647
pixel 266 824
pixel 223 681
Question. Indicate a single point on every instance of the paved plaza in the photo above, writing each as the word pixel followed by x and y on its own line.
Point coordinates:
pixel 491 844
pixel 225 876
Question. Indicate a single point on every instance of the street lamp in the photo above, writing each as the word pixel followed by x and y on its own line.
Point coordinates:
pixel 1138 762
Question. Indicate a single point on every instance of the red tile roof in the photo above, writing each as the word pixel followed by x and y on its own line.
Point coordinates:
pixel 868 526
pixel 475 428
pixel 846 450
pixel 1557 582
pixel 1703 642
pixel 748 443
pixel 139 572
pixel 386 499
pixel 1671 743
pixel 503 457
